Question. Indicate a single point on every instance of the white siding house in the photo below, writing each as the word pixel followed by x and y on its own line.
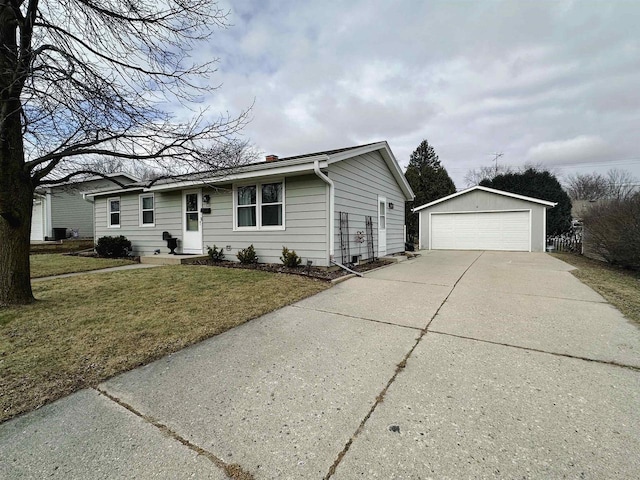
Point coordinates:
pixel 62 206
pixel 294 202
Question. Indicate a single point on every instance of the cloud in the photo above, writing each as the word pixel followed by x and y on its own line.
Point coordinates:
pixel 551 82
pixel 578 150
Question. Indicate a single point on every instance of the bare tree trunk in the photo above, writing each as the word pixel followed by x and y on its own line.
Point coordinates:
pixel 16 187
pixel 16 202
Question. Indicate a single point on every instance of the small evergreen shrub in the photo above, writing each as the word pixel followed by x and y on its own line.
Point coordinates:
pixel 290 258
pixel 216 255
pixel 247 255
pixel 113 247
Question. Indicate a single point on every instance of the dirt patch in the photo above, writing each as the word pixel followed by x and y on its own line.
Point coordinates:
pixel 312 272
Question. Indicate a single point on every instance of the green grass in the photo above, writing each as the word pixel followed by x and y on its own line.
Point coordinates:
pixel 85 329
pixel 48 264
pixel 63 246
pixel 621 288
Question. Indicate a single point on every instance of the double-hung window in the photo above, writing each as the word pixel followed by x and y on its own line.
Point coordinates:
pixel 113 212
pixel 147 210
pixel 259 206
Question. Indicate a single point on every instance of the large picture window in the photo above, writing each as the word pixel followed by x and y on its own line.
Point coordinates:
pixel 113 212
pixel 259 206
pixel 147 210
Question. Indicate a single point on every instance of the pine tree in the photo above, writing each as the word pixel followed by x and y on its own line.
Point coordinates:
pixel 429 181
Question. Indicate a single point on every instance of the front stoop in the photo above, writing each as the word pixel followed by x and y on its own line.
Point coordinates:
pixel 168 259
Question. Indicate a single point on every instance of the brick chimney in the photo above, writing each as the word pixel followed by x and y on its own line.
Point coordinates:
pixel 271 158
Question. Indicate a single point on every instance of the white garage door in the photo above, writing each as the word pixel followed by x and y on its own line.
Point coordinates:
pixel 37 221
pixel 481 231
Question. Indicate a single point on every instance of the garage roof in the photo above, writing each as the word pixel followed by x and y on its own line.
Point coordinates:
pixel 489 190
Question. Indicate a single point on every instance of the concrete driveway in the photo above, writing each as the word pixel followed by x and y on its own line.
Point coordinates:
pixel 452 365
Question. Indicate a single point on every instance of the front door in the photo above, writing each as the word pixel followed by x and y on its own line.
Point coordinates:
pixel 382 226
pixel 192 222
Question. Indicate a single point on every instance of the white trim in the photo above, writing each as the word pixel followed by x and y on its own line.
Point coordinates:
pixel 489 190
pixel 531 227
pixel 48 227
pixel 544 232
pixel 109 212
pixel 141 210
pixel 382 199
pixel 258 206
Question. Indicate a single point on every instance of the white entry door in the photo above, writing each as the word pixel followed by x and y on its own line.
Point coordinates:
pixel 192 222
pixel 382 226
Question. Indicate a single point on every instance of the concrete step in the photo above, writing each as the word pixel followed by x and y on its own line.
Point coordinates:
pixel 168 259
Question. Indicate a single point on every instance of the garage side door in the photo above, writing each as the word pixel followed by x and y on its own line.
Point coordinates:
pixel 481 231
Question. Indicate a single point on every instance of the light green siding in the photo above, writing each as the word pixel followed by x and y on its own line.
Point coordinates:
pixel 168 217
pixel 305 222
pixel 358 183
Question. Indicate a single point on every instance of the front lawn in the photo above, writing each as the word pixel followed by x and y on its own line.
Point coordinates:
pixel 619 287
pixel 85 329
pixel 48 264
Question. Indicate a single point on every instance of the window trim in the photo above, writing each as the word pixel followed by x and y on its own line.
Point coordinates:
pixel 141 210
pixel 109 212
pixel 258 205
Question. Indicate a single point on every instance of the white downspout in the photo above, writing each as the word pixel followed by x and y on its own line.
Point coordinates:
pixel 332 213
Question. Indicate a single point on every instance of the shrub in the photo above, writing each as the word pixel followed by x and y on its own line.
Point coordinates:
pixel 215 254
pixel 290 258
pixel 247 255
pixel 113 247
pixel 612 230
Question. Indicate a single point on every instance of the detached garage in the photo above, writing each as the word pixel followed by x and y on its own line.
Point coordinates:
pixel 482 218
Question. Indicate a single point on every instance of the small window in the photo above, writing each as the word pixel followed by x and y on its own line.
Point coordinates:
pixel 147 210
pixel 113 207
pixel 383 214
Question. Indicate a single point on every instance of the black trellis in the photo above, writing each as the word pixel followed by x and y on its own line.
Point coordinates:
pixel 371 251
pixel 344 238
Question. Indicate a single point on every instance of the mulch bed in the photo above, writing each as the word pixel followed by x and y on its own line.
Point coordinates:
pixel 313 272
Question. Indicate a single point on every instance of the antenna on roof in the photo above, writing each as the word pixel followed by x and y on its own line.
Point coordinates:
pixel 496 157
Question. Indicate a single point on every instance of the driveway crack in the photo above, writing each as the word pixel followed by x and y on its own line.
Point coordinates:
pixel 399 368
pixel 537 350
pixel 232 470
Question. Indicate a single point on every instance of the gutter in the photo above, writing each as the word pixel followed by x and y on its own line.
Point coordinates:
pixel 347 269
pixel 332 213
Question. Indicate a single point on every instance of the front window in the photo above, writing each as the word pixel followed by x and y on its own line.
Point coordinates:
pixel 272 204
pixel 113 207
pixel 247 206
pixel 260 206
pixel 147 211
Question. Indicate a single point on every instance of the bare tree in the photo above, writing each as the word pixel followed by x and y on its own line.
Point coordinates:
pixel 87 78
pixel 589 186
pixel 616 185
pixel 488 172
pixel 622 184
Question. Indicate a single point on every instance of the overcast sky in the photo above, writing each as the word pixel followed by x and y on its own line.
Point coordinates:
pixel 550 82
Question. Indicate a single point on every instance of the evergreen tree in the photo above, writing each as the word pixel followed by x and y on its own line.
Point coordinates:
pixel 538 184
pixel 429 181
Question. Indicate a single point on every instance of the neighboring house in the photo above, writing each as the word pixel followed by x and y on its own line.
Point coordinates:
pixel 294 202
pixel 62 206
pixel 482 218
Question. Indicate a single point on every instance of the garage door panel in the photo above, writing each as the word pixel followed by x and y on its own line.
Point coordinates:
pixel 481 231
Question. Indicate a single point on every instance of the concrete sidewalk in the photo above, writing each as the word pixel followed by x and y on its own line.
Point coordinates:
pixel 450 365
